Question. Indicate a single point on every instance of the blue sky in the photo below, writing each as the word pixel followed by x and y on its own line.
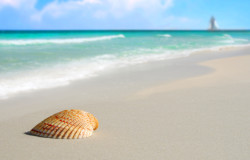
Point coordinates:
pixel 123 14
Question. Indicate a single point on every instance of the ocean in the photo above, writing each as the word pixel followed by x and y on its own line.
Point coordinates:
pixel 31 60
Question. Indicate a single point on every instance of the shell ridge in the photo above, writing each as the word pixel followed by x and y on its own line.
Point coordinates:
pixel 50 124
pixel 67 132
pixel 53 129
pixel 70 130
pixel 57 123
pixel 53 125
pixel 81 130
pixel 64 132
pixel 74 129
pixel 40 128
pixel 66 126
pixel 61 125
pixel 78 131
pixel 93 121
pixel 86 132
pixel 69 124
pixel 71 133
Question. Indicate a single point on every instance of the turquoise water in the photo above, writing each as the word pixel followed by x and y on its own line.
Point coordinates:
pixel 32 60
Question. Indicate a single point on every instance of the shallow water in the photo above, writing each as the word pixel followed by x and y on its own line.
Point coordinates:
pixel 32 60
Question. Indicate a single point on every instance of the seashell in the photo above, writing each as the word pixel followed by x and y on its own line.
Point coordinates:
pixel 67 124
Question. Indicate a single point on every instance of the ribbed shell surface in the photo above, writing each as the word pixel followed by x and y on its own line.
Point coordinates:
pixel 67 124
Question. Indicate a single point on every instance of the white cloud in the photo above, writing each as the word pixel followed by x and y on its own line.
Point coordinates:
pixel 149 12
pixel 144 4
pixel 56 9
pixel 122 7
pixel 17 3
pixel 11 3
pixel 116 8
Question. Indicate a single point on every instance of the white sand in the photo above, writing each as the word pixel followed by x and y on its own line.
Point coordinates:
pixel 194 108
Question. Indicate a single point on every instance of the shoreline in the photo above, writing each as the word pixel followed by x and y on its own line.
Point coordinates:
pixel 97 73
pixel 131 76
pixel 204 115
pixel 218 76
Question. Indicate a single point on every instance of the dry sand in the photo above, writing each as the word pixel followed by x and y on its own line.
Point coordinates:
pixel 194 108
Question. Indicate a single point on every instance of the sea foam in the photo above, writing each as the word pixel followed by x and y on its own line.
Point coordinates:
pixel 58 41
pixel 63 74
pixel 166 35
pixel 228 39
pixel 47 66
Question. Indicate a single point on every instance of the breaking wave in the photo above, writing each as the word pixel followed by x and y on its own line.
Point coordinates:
pixel 226 38
pixel 63 74
pixel 58 41
pixel 166 35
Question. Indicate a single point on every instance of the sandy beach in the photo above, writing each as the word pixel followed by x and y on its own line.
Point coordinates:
pixel 191 108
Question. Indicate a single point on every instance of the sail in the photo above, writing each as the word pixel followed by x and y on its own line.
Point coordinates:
pixel 213 24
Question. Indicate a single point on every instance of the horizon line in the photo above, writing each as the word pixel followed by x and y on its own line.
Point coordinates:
pixel 3 30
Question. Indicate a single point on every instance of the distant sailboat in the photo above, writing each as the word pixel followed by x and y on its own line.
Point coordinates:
pixel 213 24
